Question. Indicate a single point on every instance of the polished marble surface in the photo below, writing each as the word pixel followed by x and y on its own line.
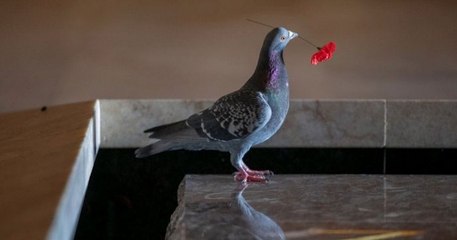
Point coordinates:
pixel 317 207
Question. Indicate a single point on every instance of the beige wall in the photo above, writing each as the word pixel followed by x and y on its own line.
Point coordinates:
pixel 65 51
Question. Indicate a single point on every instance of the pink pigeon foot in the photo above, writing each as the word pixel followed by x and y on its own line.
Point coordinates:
pixel 244 177
pixel 248 175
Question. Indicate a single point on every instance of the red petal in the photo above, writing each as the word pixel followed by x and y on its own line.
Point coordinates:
pixel 324 53
pixel 330 47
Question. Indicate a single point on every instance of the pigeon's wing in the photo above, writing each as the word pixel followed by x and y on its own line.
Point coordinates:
pixel 233 116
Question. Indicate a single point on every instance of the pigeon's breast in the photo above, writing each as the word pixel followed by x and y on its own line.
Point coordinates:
pixel 279 104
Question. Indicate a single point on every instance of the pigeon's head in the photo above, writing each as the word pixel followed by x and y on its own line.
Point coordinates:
pixel 278 38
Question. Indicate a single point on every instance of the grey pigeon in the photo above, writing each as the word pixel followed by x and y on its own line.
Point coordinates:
pixel 238 120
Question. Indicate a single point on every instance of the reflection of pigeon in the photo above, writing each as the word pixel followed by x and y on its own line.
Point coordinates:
pixel 257 224
pixel 226 217
pixel 240 119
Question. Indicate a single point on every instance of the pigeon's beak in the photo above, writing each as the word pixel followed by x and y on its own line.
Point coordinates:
pixel 292 35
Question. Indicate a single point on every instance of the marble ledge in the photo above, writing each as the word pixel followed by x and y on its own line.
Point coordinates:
pixel 310 123
pixel 421 124
pixel 317 207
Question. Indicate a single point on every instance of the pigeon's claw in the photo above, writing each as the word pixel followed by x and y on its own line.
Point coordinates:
pixel 253 176
pixel 266 173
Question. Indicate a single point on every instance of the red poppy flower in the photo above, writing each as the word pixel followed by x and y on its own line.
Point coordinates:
pixel 325 52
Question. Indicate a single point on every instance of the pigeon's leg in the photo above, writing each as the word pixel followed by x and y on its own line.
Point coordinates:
pixel 244 174
pixel 236 158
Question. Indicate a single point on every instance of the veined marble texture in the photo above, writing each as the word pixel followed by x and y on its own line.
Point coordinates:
pixel 309 123
pixel 337 123
pixel 332 123
pixel 123 121
pixel 422 124
pixel 317 207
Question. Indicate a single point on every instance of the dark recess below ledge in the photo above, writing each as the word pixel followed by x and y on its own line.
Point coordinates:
pixel 130 198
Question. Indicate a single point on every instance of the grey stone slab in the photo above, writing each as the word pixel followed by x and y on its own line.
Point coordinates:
pixel 332 123
pixel 123 121
pixel 317 207
pixel 310 123
pixel 422 124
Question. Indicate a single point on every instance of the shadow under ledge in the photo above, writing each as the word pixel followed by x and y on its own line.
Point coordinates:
pixel 129 198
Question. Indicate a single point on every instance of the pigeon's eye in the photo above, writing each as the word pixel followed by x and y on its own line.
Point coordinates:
pixel 282 38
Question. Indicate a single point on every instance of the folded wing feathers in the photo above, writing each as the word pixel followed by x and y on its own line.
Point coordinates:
pixel 234 116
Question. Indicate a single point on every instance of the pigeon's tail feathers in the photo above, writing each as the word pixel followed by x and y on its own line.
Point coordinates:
pixel 163 134
pixel 167 129
pixel 173 136
pixel 186 143
pixel 155 148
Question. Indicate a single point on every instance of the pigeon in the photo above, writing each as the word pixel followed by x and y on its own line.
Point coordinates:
pixel 238 120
